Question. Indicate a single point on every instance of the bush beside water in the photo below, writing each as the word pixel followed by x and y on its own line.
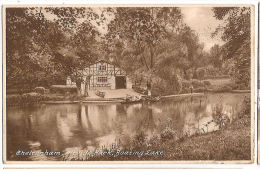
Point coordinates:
pixel 35 98
pixel 40 90
pixel 62 89
pixel 25 99
pixel 170 86
pixel 222 89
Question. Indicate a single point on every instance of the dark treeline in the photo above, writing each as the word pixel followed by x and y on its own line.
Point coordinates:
pixel 153 45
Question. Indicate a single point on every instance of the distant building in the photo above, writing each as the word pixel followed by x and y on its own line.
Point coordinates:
pixel 103 75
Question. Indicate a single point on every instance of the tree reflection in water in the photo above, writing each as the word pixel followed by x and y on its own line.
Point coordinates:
pixel 89 126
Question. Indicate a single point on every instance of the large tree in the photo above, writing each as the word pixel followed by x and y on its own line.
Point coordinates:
pixel 31 40
pixel 23 32
pixel 237 35
pixel 43 43
pixel 80 50
pixel 136 33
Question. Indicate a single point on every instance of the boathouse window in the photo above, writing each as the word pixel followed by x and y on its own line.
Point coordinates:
pixel 102 79
pixel 102 67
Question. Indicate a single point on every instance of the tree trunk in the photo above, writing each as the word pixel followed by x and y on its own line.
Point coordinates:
pixel 86 89
pixel 149 85
pixel 149 82
pixel 78 92
pixel 195 76
pixel 78 84
pixel 185 74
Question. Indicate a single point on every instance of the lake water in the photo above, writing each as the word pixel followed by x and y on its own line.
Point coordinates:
pixel 69 127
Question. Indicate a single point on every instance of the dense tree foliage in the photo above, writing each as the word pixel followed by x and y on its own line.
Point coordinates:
pixel 153 45
pixel 237 34
pixel 140 31
pixel 24 32
pixel 157 43
pixel 216 57
pixel 43 51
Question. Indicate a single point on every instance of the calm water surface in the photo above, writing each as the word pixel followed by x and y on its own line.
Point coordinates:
pixel 68 127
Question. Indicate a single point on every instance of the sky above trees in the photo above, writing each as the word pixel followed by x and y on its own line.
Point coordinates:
pixel 202 20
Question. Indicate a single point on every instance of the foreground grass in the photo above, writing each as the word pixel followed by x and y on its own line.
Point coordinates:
pixel 231 143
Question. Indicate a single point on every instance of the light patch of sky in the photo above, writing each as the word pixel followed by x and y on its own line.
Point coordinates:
pixel 102 28
pixel 202 21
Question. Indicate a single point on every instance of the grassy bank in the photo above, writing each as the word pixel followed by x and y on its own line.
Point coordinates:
pixel 230 143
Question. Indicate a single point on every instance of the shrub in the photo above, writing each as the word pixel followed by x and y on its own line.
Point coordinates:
pixel 197 83
pixel 211 71
pixel 139 139
pixel 62 89
pixel 16 90
pixel 243 86
pixel 225 88
pixel 189 74
pixel 201 73
pixel 246 107
pixel 234 86
pixel 198 86
pixel 206 83
pixel 40 90
pixel 160 88
pixel 219 117
pixel 175 83
pixel 25 99
pixel 186 86
pixel 47 91
pixel 167 133
pixel 172 85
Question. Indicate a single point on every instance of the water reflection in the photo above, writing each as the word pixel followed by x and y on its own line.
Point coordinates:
pixel 89 126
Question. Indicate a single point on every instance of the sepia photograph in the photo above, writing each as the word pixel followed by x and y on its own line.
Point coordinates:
pixel 129 83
